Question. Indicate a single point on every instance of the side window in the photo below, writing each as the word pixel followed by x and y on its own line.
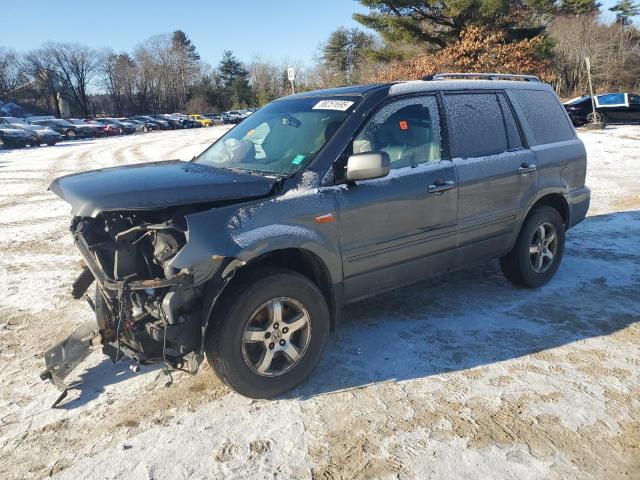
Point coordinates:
pixel 634 99
pixel 408 130
pixel 544 114
pixel 476 124
pixel 513 133
pixel 611 100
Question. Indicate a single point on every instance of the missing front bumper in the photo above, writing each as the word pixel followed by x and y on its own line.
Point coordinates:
pixel 62 358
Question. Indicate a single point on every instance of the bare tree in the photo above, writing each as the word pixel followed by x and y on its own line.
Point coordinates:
pixel 614 51
pixel 76 66
pixel 265 78
pixel 119 73
pixel 40 69
pixel 11 75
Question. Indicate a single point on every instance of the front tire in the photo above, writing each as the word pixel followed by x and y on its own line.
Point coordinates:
pixel 269 333
pixel 538 252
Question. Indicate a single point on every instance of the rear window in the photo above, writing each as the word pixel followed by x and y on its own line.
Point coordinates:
pixel 476 125
pixel 546 117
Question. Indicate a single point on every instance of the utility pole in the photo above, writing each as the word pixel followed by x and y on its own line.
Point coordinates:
pixel 597 122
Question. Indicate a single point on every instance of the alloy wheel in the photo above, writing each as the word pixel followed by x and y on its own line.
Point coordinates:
pixel 276 336
pixel 596 117
pixel 543 247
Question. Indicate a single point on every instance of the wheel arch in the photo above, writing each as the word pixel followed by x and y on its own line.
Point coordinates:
pixel 297 259
pixel 551 199
pixel 556 201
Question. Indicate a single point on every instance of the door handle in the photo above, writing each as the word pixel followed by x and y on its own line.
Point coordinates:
pixel 439 186
pixel 526 168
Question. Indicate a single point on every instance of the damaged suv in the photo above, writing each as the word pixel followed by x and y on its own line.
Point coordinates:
pixel 247 253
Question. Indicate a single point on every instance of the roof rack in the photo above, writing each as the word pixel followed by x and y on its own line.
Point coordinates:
pixel 482 76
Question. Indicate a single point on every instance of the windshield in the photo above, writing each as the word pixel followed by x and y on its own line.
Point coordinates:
pixel 14 120
pixel 61 121
pixel 280 137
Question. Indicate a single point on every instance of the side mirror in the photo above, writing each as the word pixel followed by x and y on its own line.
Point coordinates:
pixel 368 165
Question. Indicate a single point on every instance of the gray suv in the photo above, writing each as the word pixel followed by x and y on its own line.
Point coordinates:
pixel 247 253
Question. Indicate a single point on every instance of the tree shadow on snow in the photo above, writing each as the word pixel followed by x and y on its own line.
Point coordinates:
pixel 476 317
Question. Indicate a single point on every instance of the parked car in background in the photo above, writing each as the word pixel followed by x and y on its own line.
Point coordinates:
pixel 619 108
pixel 41 134
pixel 232 118
pixel 158 123
pixel 202 120
pixel 188 123
pixel 185 121
pixel 68 129
pixel 125 128
pixel 140 126
pixel 107 128
pixel 99 130
pixel 173 122
pixel 215 118
pixel 16 137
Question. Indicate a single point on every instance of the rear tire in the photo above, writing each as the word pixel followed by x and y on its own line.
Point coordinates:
pixel 538 252
pixel 248 310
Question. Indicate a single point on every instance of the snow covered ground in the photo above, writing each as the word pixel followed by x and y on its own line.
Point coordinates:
pixel 459 377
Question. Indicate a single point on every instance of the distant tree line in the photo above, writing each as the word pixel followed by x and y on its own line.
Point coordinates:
pixel 163 74
pixel 404 39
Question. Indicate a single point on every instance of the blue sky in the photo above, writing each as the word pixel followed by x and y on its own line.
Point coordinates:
pixel 273 29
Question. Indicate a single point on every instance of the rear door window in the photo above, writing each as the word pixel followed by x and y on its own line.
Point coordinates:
pixel 544 114
pixel 476 125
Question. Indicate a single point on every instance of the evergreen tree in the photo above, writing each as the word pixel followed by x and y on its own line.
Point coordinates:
pixel 625 10
pixel 181 42
pixel 235 80
pixel 437 23
pixel 344 53
pixel 186 60
pixel 231 68
pixel 335 54
pixel 579 7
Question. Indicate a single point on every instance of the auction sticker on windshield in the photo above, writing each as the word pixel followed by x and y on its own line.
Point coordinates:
pixel 341 105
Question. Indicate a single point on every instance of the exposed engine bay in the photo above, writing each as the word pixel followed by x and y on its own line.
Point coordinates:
pixel 146 309
pixel 143 305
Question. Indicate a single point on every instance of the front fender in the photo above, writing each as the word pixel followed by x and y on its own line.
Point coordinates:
pixel 247 231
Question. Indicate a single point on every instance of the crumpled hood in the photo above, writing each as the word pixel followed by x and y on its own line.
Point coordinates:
pixel 155 185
